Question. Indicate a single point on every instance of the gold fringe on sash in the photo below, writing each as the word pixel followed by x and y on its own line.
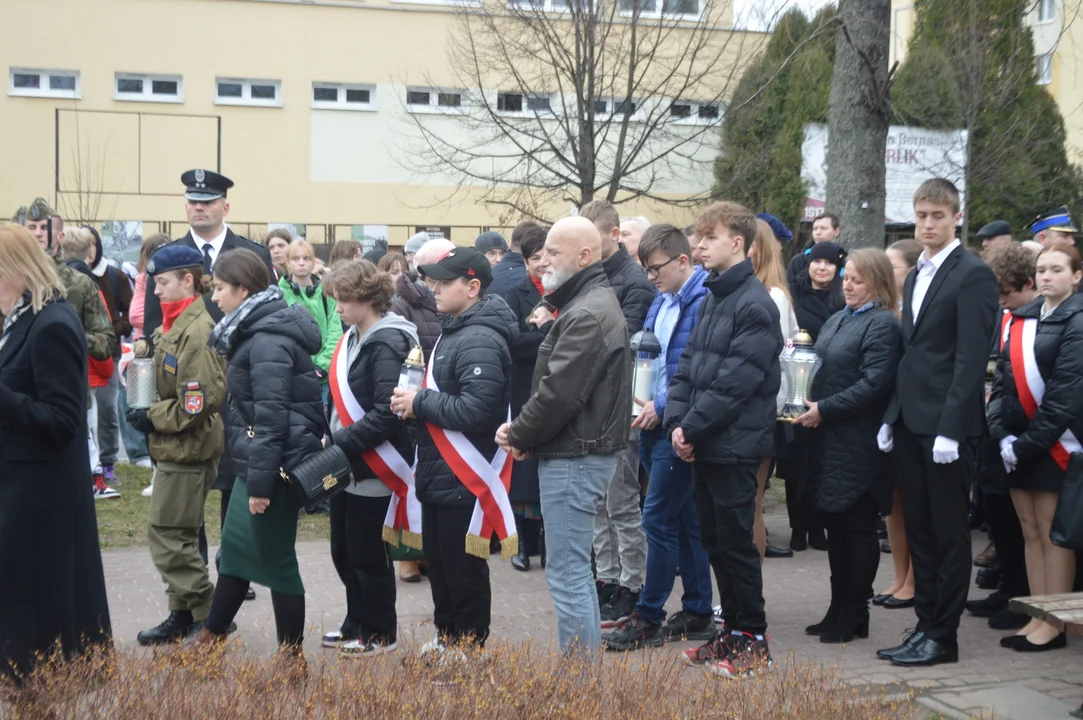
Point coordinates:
pixel 411 539
pixel 509 548
pixel 477 546
pixel 391 536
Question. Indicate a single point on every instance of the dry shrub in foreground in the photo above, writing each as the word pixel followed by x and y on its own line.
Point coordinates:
pixel 510 681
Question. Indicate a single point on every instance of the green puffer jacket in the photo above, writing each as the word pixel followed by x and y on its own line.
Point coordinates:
pixel 322 309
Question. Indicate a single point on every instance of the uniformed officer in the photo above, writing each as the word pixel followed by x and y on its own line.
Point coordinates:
pixel 185 435
pixel 1055 225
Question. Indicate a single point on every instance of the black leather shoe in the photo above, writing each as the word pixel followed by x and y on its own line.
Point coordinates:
pixel 988 578
pixel 251 594
pixel 1007 620
pixel 175 628
pixel 521 561
pixel 853 620
pixel 927 653
pixel 777 552
pixel 1025 645
pixel 1011 640
pixel 915 638
pixel 987 606
pixel 881 599
pixel 798 542
pixel 817 540
pixel 894 603
pixel 827 623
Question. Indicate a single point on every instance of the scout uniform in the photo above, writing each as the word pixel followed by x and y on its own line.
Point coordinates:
pixel 185 435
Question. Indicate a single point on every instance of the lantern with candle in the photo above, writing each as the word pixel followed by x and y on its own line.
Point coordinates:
pixel 645 352
pixel 142 388
pixel 799 366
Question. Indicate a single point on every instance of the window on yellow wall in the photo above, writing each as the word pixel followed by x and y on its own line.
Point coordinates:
pixel 44 83
pixel 239 91
pixel 436 100
pixel 339 96
pixel 1044 69
pixel 148 88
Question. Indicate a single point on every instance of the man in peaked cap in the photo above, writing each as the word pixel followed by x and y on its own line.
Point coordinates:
pixel 207 209
pixel 1054 225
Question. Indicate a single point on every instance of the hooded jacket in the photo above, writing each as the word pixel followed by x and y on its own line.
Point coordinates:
pixel 723 395
pixel 374 362
pixel 415 303
pixel 634 291
pixel 472 367
pixel 1058 353
pixel 115 287
pixel 275 410
pixel 323 311
pixel 581 404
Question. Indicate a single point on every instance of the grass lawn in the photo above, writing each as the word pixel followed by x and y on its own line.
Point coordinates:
pixel 123 522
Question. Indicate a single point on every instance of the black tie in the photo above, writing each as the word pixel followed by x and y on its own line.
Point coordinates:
pixel 207 247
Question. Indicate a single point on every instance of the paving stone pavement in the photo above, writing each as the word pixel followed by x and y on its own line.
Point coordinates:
pixel 1042 686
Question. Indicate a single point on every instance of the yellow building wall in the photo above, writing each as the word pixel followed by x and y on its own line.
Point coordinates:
pixel 295 164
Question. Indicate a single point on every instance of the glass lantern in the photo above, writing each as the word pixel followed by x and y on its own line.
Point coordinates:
pixel 645 352
pixel 412 374
pixel 140 378
pixel 799 366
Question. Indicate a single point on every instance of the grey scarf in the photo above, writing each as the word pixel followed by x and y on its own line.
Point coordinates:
pixel 222 338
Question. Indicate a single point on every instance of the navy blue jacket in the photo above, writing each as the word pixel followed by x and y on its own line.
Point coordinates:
pixel 691 298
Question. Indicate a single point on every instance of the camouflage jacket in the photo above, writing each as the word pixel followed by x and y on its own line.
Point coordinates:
pixel 82 294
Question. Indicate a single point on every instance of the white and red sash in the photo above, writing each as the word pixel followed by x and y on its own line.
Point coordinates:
pixel 1005 326
pixel 1030 386
pixel 404 512
pixel 488 481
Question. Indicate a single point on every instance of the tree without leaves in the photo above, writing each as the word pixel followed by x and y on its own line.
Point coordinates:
pixel 574 61
pixel 858 117
pixel 970 65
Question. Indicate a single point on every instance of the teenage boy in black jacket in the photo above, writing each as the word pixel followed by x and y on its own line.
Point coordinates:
pixel 720 417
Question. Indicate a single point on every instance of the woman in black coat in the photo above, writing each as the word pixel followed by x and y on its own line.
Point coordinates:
pixel 817 293
pixel 860 348
pixel 1036 414
pixel 364 372
pixel 50 565
pixel 524 494
pixel 276 420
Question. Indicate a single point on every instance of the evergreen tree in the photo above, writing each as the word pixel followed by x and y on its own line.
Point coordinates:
pixel 970 65
pixel 760 164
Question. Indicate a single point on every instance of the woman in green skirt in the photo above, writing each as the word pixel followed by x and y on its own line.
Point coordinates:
pixel 275 420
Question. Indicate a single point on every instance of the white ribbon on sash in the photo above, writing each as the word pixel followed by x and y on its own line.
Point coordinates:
pixel 404 512
pixel 489 481
pixel 1030 386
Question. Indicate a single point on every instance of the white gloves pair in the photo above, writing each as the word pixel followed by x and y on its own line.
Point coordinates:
pixel 945 450
pixel 1007 453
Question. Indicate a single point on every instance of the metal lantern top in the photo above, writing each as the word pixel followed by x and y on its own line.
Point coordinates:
pixel 645 342
pixel 416 356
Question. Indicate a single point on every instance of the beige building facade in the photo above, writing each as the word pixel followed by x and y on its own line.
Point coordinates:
pixel 310 107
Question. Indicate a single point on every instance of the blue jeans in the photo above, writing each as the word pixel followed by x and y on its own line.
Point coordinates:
pixel 570 491
pixel 672 530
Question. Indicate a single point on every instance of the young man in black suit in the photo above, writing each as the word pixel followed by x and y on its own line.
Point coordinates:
pixel 937 418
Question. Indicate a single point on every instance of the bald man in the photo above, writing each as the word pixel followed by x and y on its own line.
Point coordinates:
pixel 576 421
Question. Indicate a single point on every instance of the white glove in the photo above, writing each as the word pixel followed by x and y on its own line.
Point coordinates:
pixel 945 450
pixel 1007 453
pixel 884 438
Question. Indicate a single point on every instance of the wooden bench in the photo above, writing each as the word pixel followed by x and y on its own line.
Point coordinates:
pixel 1064 612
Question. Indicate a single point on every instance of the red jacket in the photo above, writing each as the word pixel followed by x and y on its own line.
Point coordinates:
pixel 101 370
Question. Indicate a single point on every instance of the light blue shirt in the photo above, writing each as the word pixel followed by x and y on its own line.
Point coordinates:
pixel 664 325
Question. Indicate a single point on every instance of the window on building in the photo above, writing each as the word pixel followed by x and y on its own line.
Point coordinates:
pixel 691 113
pixel 658 8
pixel 1047 10
pixel 1044 69
pixel 434 100
pixel 518 102
pixel 541 5
pixel 148 88
pixel 337 96
pixel 44 83
pixel 231 91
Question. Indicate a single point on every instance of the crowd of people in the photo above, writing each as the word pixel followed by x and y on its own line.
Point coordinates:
pixel 520 434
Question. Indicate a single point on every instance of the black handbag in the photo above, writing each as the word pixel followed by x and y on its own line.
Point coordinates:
pixel 318 477
pixel 1067 528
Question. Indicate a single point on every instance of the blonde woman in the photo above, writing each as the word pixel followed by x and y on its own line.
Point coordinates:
pixel 49 558
pixel 767 264
pixel 302 285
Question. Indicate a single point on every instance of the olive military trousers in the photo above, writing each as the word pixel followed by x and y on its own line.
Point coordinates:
pixel 176 514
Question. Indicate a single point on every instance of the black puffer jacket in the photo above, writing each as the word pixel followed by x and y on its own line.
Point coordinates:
pixel 274 391
pixel 472 368
pixel 1058 352
pixel 372 378
pixel 860 357
pixel 417 304
pixel 635 292
pixel 813 307
pixel 724 393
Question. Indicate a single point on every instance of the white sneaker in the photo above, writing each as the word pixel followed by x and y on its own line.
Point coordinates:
pixel 144 462
pixel 332 639
pixel 362 649
pixel 103 491
pixel 148 490
pixel 716 614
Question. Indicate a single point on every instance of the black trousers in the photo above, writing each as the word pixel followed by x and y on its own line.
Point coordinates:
pixel 853 551
pixel 936 506
pixel 726 505
pixel 360 558
pixel 461 594
pixel 1007 535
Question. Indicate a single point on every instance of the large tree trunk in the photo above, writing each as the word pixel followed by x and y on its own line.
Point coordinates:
pixel 857 118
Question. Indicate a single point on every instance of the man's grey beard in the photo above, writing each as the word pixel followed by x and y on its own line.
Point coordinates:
pixel 554 277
